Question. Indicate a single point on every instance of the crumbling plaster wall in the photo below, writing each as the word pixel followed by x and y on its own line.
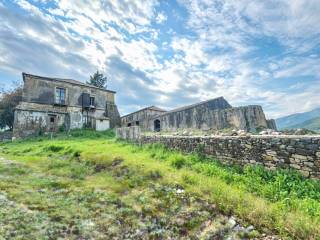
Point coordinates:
pixel 38 103
pixel 32 118
pixel 34 122
pixel 248 118
pixel 5 136
pixel 113 114
pixel 142 116
pixel 43 91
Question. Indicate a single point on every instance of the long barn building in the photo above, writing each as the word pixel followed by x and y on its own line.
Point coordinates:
pixel 213 114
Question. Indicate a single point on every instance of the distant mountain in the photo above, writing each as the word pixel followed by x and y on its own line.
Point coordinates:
pixel 293 120
pixel 312 124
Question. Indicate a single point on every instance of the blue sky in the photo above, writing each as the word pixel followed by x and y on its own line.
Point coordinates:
pixel 171 53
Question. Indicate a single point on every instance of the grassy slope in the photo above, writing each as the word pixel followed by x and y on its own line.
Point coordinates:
pixel 289 121
pixel 64 178
pixel 312 124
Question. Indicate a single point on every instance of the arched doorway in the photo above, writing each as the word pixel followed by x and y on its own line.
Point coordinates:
pixel 157 126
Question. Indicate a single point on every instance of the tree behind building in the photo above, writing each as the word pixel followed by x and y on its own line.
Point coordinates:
pixel 8 101
pixel 98 80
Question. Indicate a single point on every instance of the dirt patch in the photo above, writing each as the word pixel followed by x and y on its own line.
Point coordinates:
pixel 103 166
pixel 121 172
pixel 99 167
pixel 116 162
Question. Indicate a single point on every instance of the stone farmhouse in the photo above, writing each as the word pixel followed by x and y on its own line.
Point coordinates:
pixel 50 104
pixel 213 114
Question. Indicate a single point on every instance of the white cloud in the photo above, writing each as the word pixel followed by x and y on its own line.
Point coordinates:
pixel 161 17
pixel 217 56
pixel 299 67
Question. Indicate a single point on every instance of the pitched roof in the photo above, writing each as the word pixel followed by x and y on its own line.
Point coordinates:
pixel 221 99
pixel 146 108
pixel 71 81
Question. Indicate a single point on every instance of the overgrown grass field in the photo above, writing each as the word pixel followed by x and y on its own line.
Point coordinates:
pixel 91 185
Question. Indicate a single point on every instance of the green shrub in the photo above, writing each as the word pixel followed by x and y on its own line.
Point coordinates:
pixel 154 174
pixel 91 134
pixel 200 152
pixel 189 179
pixel 80 171
pixel 77 154
pixel 27 150
pixel 57 163
pixel 53 148
pixel 62 128
pixel 178 162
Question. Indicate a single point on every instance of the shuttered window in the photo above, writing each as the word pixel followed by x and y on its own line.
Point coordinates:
pixel 61 96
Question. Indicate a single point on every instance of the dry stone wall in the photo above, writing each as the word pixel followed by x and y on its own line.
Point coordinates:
pixel 5 136
pixel 130 133
pixel 297 152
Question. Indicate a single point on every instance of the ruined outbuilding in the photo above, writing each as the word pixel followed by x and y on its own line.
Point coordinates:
pixel 141 117
pixel 52 104
pixel 214 114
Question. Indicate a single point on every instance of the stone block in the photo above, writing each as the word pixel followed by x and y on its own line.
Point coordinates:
pixel 291 150
pixel 301 151
pixel 299 157
pixel 267 157
pixel 248 146
pixel 256 150
pixel 305 173
pixel 283 153
pixel 309 164
pixel 271 153
pixel 312 147
pixel 310 158
pixel 295 166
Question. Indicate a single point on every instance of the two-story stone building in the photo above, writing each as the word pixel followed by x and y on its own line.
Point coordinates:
pixel 50 104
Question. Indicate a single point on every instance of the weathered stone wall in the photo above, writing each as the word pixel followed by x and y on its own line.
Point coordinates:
pixel 214 114
pixel 131 133
pixel 42 90
pixel 196 116
pixel 32 118
pixel 28 123
pixel 112 113
pixel 249 118
pixel 33 115
pixel 140 118
pixel 5 136
pixel 298 152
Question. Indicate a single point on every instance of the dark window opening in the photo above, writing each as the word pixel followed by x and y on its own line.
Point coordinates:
pixel 106 114
pixel 60 96
pixel 91 101
pixel 137 123
pixel 52 119
pixel 157 126
pixel 85 100
pixel 129 125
